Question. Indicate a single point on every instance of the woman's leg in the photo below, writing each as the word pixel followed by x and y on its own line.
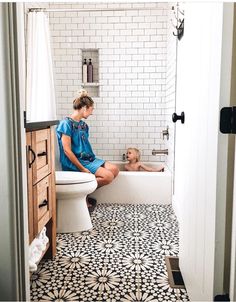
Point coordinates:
pixel 103 176
pixel 112 168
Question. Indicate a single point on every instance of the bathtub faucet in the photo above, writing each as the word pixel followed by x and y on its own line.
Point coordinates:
pixel 123 157
pixel 156 152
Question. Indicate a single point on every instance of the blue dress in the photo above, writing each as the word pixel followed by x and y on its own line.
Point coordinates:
pixel 80 146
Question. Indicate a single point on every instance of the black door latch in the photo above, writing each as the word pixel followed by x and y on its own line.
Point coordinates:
pixel 228 120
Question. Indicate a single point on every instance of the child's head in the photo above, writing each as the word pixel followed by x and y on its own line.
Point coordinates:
pixel 133 154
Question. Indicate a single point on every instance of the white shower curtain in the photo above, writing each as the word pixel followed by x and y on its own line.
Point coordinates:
pixel 41 105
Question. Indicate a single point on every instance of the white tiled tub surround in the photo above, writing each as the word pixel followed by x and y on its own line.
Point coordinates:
pixel 135 187
pixel 132 45
pixel 125 125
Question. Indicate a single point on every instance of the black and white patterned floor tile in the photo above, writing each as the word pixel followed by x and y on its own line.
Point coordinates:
pixel 121 260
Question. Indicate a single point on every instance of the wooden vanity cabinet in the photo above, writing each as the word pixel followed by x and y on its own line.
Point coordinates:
pixel 41 185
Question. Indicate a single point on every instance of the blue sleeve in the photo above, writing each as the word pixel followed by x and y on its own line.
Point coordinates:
pixel 64 128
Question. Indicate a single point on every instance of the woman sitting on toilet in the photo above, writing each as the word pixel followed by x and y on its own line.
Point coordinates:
pixel 76 153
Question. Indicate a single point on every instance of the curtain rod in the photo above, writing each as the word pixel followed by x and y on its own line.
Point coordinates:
pixel 49 10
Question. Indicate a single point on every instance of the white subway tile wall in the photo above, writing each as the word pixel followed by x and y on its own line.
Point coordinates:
pixel 135 73
pixel 132 47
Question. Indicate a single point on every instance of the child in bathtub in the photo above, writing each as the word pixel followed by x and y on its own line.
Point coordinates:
pixel 133 157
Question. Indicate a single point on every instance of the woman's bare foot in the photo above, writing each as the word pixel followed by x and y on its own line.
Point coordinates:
pixel 91 203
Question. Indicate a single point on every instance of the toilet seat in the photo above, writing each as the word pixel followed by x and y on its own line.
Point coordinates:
pixel 71 177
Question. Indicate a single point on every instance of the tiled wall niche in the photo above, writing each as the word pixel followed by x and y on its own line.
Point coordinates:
pixel 94 86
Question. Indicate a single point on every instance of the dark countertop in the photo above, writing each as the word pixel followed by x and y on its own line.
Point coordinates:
pixel 40 125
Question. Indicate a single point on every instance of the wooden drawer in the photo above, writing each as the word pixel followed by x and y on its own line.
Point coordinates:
pixel 41 185
pixel 42 197
pixel 41 145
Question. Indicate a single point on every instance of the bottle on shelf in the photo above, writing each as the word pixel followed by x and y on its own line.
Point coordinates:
pixel 90 71
pixel 85 72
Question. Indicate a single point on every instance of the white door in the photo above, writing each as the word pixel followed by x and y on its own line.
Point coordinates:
pixel 204 65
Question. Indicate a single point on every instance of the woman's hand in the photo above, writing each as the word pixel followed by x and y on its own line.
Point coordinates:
pixel 85 170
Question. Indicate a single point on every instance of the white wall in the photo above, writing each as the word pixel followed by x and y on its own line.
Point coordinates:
pixel 132 54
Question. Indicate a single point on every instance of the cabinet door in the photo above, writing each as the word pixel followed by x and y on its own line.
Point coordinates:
pixel 41 144
pixel 42 203
pixel 30 158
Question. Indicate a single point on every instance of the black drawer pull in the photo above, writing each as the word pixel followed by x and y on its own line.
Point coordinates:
pixel 42 153
pixel 43 204
pixel 34 156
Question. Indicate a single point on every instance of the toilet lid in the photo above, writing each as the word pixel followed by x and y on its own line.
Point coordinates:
pixel 68 177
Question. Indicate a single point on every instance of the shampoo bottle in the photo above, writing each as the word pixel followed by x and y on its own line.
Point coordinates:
pixel 85 72
pixel 90 71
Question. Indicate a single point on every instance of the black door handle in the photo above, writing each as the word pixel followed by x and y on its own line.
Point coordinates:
pixel 43 204
pixel 176 117
pixel 42 153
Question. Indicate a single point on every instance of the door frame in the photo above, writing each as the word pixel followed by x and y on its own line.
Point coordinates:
pixel 14 273
pixel 232 207
pixel 232 289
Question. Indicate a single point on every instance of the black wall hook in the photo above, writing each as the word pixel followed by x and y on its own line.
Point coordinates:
pixel 180 30
pixel 180 24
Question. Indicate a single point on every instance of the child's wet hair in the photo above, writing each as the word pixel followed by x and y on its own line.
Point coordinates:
pixel 83 100
pixel 137 152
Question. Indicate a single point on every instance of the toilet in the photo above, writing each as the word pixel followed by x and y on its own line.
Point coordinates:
pixel 72 189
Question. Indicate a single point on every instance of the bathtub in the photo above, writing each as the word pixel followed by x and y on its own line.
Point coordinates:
pixel 137 187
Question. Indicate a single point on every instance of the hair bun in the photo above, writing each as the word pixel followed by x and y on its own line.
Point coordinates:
pixel 82 93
